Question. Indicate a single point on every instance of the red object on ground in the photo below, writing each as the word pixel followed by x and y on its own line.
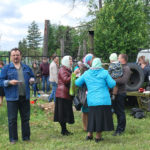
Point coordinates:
pixel 33 102
pixel 141 90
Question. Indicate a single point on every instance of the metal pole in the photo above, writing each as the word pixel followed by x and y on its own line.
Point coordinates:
pixel 100 4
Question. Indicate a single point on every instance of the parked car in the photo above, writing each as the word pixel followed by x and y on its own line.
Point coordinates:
pixel 146 53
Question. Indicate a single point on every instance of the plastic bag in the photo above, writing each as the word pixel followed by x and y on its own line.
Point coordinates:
pixel 73 88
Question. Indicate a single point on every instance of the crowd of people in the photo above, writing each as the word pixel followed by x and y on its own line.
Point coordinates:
pixel 104 91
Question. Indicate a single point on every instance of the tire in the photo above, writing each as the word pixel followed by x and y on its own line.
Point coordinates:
pixel 136 79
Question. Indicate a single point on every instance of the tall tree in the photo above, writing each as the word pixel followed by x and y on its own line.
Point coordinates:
pixel 34 36
pixel 53 43
pixel 121 27
pixel 22 45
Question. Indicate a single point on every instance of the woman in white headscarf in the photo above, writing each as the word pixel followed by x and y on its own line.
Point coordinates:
pixel 63 106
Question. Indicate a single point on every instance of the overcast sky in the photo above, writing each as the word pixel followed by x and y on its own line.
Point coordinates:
pixel 17 15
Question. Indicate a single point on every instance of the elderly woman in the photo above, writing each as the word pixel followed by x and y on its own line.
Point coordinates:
pixel 63 106
pixel 98 82
pixel 87 62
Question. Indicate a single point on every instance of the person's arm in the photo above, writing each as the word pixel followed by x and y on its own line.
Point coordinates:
pixel 32 77
pixel 31 73
pixel 4 82
pixel 41 69
pixel 50 71
pixel 110 81
pixel 55 73
pixel 126 75
pixel 80 81
pixel 64 76
pixel 110 69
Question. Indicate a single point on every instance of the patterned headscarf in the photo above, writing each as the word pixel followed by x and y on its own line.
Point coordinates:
pixel 87 59
pixel 96 64
pixel 65 61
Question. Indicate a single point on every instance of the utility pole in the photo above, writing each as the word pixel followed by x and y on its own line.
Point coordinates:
pixel 45 45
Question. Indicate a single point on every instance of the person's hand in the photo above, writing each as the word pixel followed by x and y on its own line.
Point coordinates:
pixel 77 71
pixel 143 66
pixel 31 80
pixel 13 82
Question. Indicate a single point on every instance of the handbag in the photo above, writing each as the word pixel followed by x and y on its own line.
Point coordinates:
pixel 77 103
pixel 82 95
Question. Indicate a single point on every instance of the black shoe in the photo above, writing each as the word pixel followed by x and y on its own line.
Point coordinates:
pixel 117 133
pixel 89 138
pixel 98 140
pixel 66 133
pixel 69 133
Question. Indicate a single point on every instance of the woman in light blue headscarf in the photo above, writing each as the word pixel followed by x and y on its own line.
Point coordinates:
pixel 87 62
pixel 98 82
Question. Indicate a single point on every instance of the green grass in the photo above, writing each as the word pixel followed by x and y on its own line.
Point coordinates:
pixel 45 134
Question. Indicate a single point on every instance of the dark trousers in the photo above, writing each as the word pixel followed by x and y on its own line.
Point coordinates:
pixel 119 108
pixel 23 106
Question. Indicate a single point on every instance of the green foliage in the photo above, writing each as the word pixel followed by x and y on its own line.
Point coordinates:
pixel 22 45
pixel 45 133
pixel 34 36
pixel 71 39
pixel 121 27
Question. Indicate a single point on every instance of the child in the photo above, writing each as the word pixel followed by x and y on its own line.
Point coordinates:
pixel 115 70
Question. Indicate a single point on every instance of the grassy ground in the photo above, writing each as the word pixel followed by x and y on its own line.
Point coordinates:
pixel 45 134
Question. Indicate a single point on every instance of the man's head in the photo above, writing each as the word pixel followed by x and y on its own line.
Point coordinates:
pixel 45 60
pixel 15 55
pixel 123 58
pixel 56 59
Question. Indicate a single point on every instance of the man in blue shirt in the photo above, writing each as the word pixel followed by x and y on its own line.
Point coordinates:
pixel 16 78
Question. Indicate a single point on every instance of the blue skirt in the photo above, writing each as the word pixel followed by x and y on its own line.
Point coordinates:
pixel 85 109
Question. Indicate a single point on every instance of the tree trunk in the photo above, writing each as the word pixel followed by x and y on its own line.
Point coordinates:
pixel 79 51
pixel 62 46
pixel 100 4
pixel 46 32
pixel 84 47
pixel 91 39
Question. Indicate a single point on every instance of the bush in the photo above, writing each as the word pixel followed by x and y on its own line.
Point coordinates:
pixel 121 27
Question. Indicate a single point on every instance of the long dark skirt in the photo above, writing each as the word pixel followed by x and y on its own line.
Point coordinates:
pixel 63 111
pixel 100 119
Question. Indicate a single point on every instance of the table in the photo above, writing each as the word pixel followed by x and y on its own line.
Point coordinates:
pixel 139 97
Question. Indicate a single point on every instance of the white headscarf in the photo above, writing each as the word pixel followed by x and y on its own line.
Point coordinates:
pixel 65 61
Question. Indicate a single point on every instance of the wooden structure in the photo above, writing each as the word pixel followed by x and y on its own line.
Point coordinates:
pixel 143 99
pixel 45 43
